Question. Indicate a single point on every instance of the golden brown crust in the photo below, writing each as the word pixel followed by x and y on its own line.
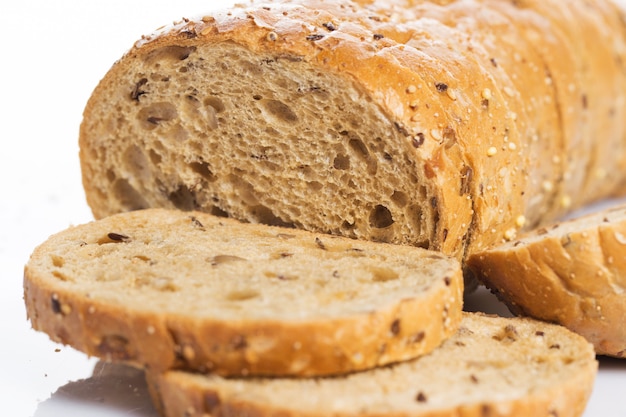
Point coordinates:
pixel 394 391
pixel 572 273
pixel 152 318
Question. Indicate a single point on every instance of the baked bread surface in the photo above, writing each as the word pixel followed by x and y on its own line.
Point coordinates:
pixel 491 367
pixel 572 273
pixel 448 125
pixel 172 289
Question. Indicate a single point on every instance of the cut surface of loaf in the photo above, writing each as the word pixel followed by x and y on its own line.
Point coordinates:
pixel 447 125
pixel 172 289
pixel 493 366
pixel 572 273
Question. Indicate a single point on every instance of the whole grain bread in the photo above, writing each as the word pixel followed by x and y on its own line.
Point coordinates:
pixel 572 273
pixel 172 289
pixel 491 367
pixel 450 125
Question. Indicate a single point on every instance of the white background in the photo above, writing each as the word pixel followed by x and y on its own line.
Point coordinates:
pixel 53 54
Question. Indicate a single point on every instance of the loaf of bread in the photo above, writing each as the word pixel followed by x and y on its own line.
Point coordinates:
pixel 491 367
pixel 171 289
pixel 449 125
pixel 572 273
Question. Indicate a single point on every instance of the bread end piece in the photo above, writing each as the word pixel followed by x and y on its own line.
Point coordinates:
pixel 572 273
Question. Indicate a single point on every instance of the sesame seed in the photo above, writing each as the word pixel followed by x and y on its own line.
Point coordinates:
pixel 436 134
pixel 411 89
pixel 492 151
pixel 520 221
pixel 512 146
pixel 486 94
pixel 547 186
pixel 272 36
pixel 510 234
pixel 451 94
pixel 566 201
pixel 509 91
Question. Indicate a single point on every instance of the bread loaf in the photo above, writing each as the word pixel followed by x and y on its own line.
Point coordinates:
pixel 449 125
pixel 171 289
pixel 491 367
pixel 572 273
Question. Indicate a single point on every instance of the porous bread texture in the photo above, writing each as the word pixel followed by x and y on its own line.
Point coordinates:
pixel 450 126
pixel 187 290
pixel 572 273
pixel 491 367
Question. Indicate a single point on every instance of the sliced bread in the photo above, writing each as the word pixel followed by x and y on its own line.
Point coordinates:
pixel 450 125
pixel 492 367
pixel 572 273
pixel 173 289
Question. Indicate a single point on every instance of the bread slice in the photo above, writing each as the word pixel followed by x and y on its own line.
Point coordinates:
pixel 493 366
pixel 450 126
pixel 173 289
pixel 573 273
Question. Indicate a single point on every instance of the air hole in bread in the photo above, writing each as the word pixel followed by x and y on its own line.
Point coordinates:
pixel 400 198
pixel 204 170
pixel 359 148
pixel 242 295
pixel 216 211
pixel 135 161
pixel 128 196
pixel 279 110
pixel 266 216
pixel 155 114
pixel 380 217
pixel 341 162
pixel 380 274
pixel 171 53
pixel 155 157
pixel 315 185
pixel 61 276
pixel 224 259
pixel 183 198
pixel 57 260
pixel 216 103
